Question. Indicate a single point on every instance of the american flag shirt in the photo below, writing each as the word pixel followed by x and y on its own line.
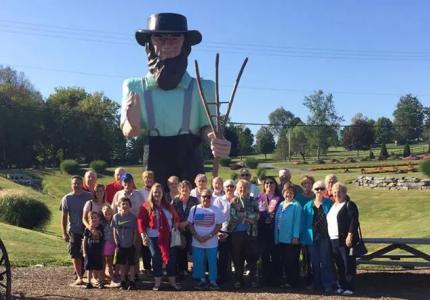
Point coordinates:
pixel 204 221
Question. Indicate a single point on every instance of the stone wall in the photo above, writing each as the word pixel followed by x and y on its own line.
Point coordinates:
pixel 392 183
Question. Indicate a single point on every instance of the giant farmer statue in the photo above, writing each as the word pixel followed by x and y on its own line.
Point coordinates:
pixel 165 104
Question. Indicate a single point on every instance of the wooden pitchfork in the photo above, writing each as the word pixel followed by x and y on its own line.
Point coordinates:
pixel 219 125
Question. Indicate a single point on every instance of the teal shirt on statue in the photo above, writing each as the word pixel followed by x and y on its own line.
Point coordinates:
pixel 168 104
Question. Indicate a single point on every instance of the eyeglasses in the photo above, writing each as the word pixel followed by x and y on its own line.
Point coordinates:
pixel 245 175
pixel 206 196
pixel 319 189
pixel 230 186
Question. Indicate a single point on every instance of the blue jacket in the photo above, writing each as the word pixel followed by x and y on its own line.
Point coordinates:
pixel 287 222
pixel 306 235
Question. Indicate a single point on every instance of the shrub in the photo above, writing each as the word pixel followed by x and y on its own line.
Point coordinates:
pixel 19 209
pixel 225 162
pixel 425 167
pixel 99 166
pixel 383 154
pixel 69 166
pixel 251 163
pixel 406 151
pixel 371 155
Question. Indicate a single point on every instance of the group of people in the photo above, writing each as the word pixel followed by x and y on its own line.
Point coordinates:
pixel 224 229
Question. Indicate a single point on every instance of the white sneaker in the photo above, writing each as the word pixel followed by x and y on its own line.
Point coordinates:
pixel 339 291
pixel 114 284
pixel 347 293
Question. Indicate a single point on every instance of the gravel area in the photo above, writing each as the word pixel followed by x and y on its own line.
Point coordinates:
pixel 53 283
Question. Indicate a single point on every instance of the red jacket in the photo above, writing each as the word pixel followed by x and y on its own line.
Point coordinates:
pixel 145 220
pixel 111 190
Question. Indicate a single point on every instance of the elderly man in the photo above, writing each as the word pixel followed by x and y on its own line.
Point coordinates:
pixel 165 105
pixel 284 177
pixel 115 185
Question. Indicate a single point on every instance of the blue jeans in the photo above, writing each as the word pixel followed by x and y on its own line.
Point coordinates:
pixel 321 262
pixel 157 261
pixel 199 260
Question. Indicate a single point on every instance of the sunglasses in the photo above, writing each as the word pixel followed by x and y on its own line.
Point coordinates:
pixel 245 175
pixel 230 186
pixel 320 189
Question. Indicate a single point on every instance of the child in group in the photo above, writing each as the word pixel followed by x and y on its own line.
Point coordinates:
pixel 93 250
pixel 217 185
pixel 125 235
pixel 109 245
pixel 201 182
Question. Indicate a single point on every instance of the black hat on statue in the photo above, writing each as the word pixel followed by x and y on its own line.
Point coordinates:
pixel 167 23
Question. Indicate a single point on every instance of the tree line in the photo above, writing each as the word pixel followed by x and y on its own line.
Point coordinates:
pixel 72 123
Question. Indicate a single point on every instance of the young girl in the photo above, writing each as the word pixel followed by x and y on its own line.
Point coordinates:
pixel 93 250
pixel 109 245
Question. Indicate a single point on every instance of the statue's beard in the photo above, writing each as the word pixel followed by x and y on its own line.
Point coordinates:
pixel 168 72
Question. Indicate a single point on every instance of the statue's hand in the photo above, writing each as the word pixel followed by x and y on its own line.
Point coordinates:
pixel 220 146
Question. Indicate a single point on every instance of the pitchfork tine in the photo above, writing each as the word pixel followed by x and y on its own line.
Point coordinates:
pixel 218 120
pixel 202 96
pixel 234 90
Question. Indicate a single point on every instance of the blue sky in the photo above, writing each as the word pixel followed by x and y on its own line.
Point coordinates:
pixel 367 53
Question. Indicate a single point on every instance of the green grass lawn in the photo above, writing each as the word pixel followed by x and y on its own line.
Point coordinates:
pixel 382 213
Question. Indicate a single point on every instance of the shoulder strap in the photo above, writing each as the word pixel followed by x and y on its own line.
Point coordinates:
pixel 186 109
pixel 149 106
pixel 91 205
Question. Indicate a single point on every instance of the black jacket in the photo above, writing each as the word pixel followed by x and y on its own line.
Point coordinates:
pixel 347 221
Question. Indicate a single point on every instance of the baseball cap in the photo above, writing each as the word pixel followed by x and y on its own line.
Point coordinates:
pixel 126 177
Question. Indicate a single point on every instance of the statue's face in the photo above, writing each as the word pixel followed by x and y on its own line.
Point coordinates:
pixel 167 45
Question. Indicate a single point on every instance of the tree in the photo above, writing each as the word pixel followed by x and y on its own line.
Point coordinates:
pixel 408 119
pixel 21 120
pixel 265 142
pixel 299 141
pixel 281 151
pixel 281 118
pixel 322 114
pixel 360 135
pixel 231 134
pixel 84 126
pixel 246 140
pixel 384 131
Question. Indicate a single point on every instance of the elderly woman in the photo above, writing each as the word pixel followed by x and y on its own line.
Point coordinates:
pixel 287 232
pixel 155 222
pixel 315 237
pixel 306 182
pixel 201 182
pixel 217 187
pixel 172 185
pixel 342 220
pixel 268 201
pixel 243 230
pixel 182 204
pixel 224 258
pixel 205 221
pixel 329 181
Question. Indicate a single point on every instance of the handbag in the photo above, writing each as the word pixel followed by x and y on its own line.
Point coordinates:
pixel 177 239
pixel 360 248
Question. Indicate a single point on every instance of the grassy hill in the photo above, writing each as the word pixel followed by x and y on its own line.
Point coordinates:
pixel 382 213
